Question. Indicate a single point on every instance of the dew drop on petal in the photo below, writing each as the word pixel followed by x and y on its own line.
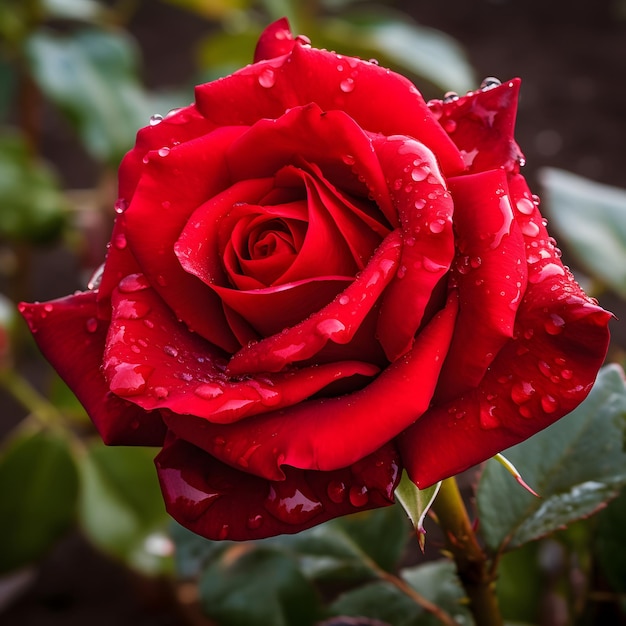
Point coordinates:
pixel 91 325
pixel 525 206
pixel 554 325
pixel 155 119
pixel 437 226
pixel 164 151
pixel 119 241
pixel 522 392
pixel 348 159
pixel 330 327
pixel 224 532
pixel 489 83
pixel 133 283
pixel 129 379
pixel 344 299
pixel 291 504
pixel 419 173
pixel 347 85
pixel 267 78
pixel 549 403
pixel 170 351
pixel 208 391
pixel 358 496
pixel 255 521
pixel 161 392
pixel 336 491
pixel 530 229
pixel 120 205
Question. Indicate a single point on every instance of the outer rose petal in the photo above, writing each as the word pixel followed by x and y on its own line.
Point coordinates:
pixel 490 273
pixel 219 502
pixel 481 124
pixel 155 362
pixel 314 434
pixel 544 372
pixel 379 100
pixel 161 206
pixel 67 327
pixel 274 41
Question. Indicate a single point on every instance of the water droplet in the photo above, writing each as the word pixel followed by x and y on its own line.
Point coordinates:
pixel 525 206
pixel 420 203
pixel 164 151
pixel 120 205
pixel 549 404
pixel 155 119
pixel 549 270
pixel 437 226
pixel 224 532
pixel 347 85
pixel 567 374
pixel 129 379
pixel 401 273
pixel 358 496
pixel 488 418
pixel 545 368
pixel 330 327
pixel 348 159
pixel 170 351
pixel 432 266
pixel 208 391
pixel 131 309
pixel 409 241
pixel 255 521
pixel 475 262
pixel 449 125
pixel 161 392
pixel 554 325
pixel 133 283
pixel 336 491
pixel 530 229
pixel 490 83
pixel 450 96
pixel 521 392
pixel 267 78
pixel 119 241
pixel 91 325
pixel 420 173
pixel 291 504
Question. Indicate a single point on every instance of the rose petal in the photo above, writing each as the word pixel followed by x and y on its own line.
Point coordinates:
pixel 425 213
pixel 560 341
pixel 178 126
pixel 311 435
pixel 482 125
pixel 274 41
pixel 306 134
pixel 490 274
pixel 379 100
pixel 152 360
pixel 338 321
pixel 161 206
pixel 219 502
pixel 69 326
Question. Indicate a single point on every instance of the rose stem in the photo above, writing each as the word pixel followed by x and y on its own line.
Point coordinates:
pixel 471 562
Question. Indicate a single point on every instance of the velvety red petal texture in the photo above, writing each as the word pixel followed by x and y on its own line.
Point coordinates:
pixel 379 100
pixel 152 360
pixel 219 502
pixel 481 124
pixel 560 339
pixel 316 279
pixel 312 435
pixel 71 337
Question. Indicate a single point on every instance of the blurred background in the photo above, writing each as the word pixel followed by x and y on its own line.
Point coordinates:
pixel 79 77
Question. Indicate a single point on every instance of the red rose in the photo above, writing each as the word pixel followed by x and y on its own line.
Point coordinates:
pixel 316 279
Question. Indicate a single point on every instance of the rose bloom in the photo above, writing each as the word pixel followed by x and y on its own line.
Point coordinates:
pixel 317 280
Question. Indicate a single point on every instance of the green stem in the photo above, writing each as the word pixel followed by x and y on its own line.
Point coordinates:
pixel 471 561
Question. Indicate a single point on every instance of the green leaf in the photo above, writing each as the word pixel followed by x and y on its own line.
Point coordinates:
pixel 435 581
pixel 121 507
pixel 33 208
pixel 610 543
pixel 38 492
pixel 416 503
pixel 254 585
pixel 591 219
pixel 576 465
pixel 91 75
pixel 193 553
pixel 408 46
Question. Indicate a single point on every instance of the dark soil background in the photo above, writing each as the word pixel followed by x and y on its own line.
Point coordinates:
pixel 571 56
